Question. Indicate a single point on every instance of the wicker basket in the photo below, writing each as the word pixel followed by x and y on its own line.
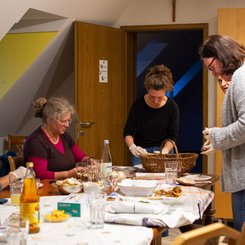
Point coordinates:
pixel 154 162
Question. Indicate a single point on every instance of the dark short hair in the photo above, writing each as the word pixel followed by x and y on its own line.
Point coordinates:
pixel 228 51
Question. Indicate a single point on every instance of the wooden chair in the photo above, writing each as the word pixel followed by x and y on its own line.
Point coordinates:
pixel 242 236
pixel 204 234
pixel 15 162
pixel 16 143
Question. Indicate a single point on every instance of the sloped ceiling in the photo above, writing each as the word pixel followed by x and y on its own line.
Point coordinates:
pixel 106 12
pixel 36 21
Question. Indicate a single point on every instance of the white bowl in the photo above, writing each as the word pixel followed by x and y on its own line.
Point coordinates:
pixel 70 189
pixel 92 187
pixel 137 187
pixel 69 186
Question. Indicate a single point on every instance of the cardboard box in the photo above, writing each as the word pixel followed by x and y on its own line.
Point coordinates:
pixel 74 204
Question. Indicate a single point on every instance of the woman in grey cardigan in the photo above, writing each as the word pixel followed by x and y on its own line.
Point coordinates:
pixel 225 57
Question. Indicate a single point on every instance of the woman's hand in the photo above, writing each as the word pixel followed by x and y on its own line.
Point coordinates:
pixel 207 134
pixel 72 173
pixel 137 150
pixel 207 148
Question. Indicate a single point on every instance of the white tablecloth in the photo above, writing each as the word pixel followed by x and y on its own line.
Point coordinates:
pixel 128 228
pixel 176 212
pixel 74 232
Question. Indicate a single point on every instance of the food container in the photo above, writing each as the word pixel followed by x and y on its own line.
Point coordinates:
pixel 69 186
pixel 128 171
pixel 74 204
pixel 142 188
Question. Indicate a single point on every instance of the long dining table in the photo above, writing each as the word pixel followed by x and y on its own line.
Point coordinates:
pixel 139 234
pixel 112 233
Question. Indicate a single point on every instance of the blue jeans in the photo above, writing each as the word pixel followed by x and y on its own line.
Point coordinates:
pixel 136 160
pixel 238 209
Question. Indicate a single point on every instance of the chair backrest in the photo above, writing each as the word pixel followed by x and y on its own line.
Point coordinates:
pixel 203 234
pixel 242 237
pixel 16 143
pixel 15 162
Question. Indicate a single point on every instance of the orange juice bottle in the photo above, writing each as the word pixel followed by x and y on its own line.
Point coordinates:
pixel 29 200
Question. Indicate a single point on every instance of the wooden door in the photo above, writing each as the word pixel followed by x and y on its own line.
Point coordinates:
pixel 231 22
pixel 101 107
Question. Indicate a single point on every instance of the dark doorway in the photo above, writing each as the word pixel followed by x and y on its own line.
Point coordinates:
pixel 178 49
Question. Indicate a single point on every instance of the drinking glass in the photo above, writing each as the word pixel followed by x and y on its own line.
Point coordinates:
pixel 89 168
pixel 97 203
pixel 17 229
pixel 171 172
pixel 179 169
pixel 94 170
pixel 15 189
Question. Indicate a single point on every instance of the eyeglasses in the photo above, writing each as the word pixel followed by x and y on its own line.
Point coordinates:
pixel 64 122
pixel 211 63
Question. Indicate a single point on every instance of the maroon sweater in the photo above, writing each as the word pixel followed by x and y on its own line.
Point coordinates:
pixel 49 158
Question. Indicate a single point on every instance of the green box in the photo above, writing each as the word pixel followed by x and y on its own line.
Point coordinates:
pixel 73 204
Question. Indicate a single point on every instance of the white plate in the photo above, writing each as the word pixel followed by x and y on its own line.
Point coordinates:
pixel 198 177
pixel 55 219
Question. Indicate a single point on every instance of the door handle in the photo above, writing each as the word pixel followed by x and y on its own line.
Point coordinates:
pixel 86 124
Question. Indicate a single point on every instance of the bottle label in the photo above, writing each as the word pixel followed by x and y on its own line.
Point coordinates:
pixel 106 169
pixel 32 212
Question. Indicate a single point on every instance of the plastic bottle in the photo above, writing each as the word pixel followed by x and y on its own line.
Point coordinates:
pixel 106 162
pixel 29 200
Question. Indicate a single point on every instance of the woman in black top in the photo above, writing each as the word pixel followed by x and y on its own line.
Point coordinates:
pixel 153 117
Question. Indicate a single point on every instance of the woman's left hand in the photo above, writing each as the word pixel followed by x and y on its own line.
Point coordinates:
pixel 207 148
pixel 207 134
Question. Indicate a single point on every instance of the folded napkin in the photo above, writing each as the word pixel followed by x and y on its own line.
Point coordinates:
pixel 136 207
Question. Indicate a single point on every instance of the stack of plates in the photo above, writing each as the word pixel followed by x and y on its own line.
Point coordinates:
pixel 193 179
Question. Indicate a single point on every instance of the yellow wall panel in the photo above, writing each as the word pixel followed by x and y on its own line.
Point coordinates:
pixel 17 53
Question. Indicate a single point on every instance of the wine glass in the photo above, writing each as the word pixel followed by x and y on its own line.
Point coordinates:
pixel 81 168
pixel 115 178
pixel 89 167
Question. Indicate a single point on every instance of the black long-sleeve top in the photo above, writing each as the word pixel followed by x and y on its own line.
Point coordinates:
pixel 150 126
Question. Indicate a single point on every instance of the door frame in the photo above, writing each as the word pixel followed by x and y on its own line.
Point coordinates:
pixel 131 32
